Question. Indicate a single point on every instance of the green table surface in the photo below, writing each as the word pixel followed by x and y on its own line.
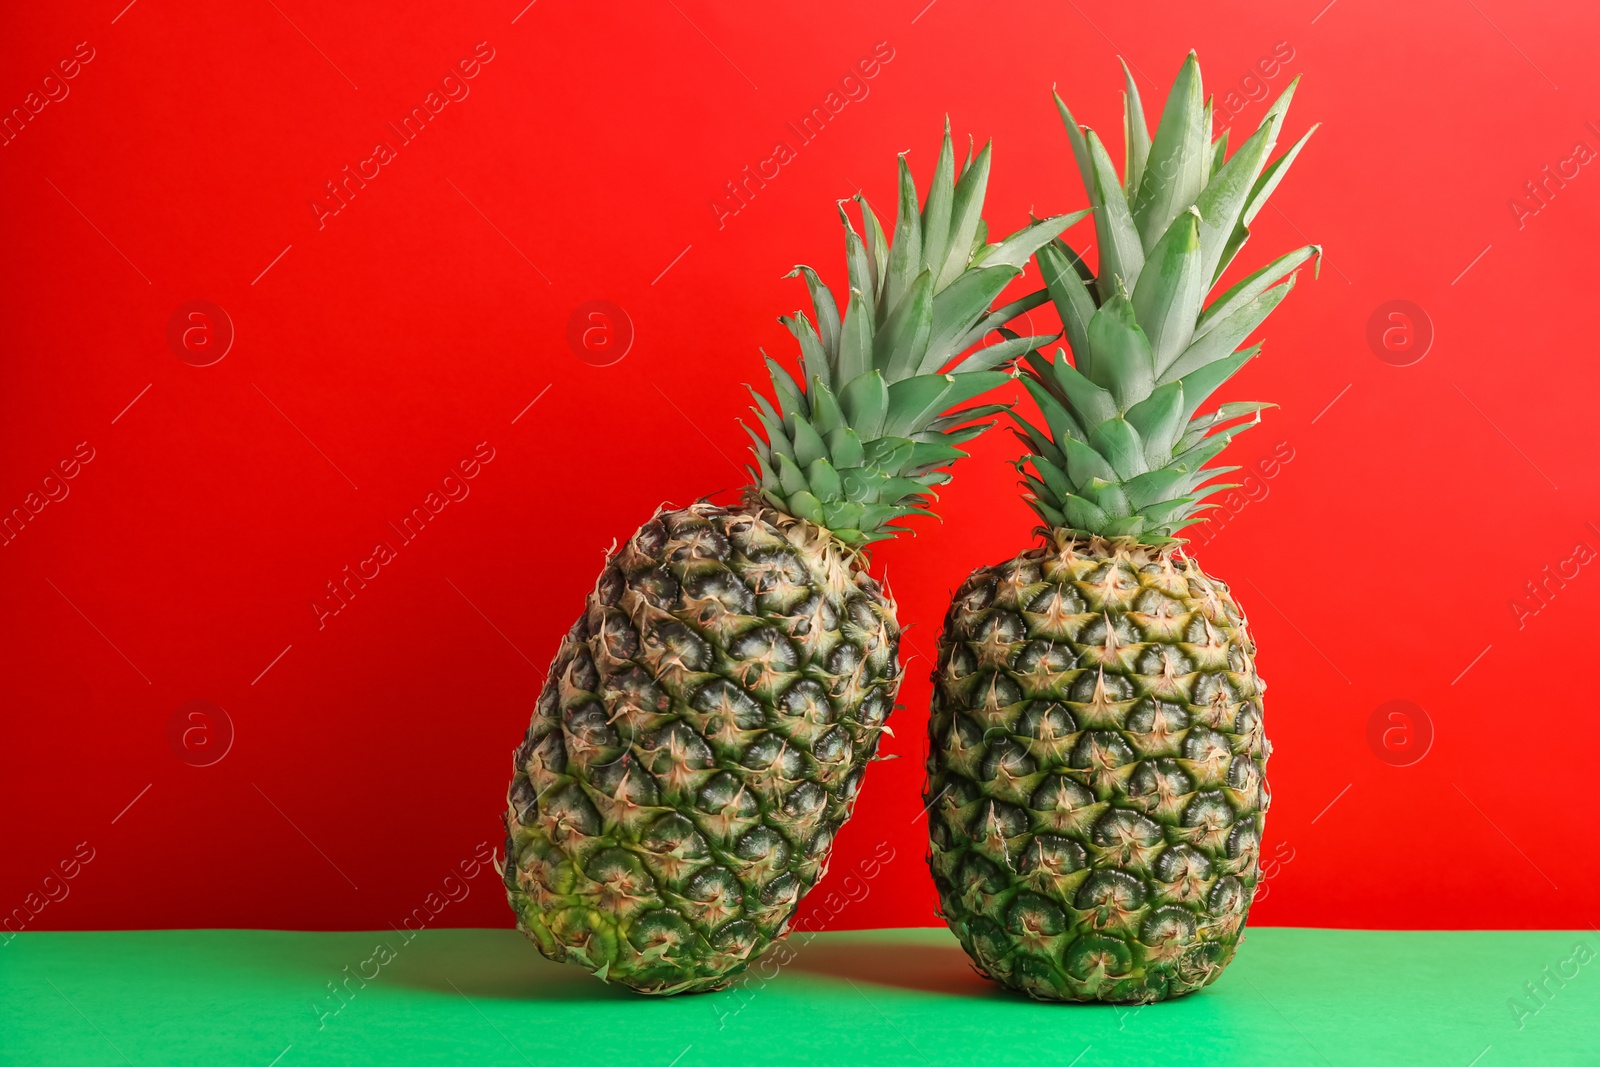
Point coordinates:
pixel 883 997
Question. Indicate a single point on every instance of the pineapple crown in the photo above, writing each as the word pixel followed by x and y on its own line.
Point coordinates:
pixel 861 439
pixel 1122 452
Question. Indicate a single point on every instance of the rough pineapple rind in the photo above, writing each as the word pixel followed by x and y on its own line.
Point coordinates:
pixel 1096 772
pixel 701 738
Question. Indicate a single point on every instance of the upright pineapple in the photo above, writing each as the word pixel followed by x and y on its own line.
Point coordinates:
pixel 707 721
pixel 1096 767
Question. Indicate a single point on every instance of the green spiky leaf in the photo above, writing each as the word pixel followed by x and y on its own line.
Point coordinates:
pixel 845 448
pixel 900 347
pixel 1015 250
pixel 865 401
pixel 1136 135
pixel 1123 363
pixel 1120 450
pixel 1250 287
pixel 1227 333
pixel 1071 296
pixel 936 210
pixel 1002 352
pixel 1170 290
pixel 1064 425
pixel 808 446
pixel 855 341
pixel 813 353
pixel 877 247
pixel 905 253
pixel 1159 418
pixel 965 214
pixel 1120 444
pixel 1121 251
pixel 962 303
pixel 1174 173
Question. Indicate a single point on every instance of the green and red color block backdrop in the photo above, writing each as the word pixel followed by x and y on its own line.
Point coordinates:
pixel 341 342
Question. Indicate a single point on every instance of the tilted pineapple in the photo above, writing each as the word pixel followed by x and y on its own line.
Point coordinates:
pixel 705 726
pixel 1096 768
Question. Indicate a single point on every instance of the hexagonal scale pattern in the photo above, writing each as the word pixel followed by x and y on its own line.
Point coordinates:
pixel 701 738
pixel 1096 771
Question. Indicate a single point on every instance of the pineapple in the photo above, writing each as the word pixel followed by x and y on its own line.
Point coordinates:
pixel 1096 769
pixel 707 721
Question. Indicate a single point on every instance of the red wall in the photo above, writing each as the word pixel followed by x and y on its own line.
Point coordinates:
pixel 1383 556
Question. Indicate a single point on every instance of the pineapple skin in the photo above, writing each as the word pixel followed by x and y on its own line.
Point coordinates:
pixel 700 740
pixel 1096 771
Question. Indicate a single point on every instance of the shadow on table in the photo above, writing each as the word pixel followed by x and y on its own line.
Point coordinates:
pixel 498 967
pixel 923 968
pixel 490 964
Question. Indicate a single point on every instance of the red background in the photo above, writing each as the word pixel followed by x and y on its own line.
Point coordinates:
pixel 1381 563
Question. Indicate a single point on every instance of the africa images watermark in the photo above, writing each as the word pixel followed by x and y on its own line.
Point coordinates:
pixel 53 889
pixel 1253 487
pixel 452 489
pixel 853 88
pixel 454 88
pixel 54 489
pixel 52 90
pixel 1254 86
pixel 1538 592
pixel 1540 993
pixel 856 888
pixel 456 888
pixel 1541 191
